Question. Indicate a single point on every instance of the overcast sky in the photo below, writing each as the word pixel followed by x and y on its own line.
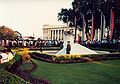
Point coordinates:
pixel 28 16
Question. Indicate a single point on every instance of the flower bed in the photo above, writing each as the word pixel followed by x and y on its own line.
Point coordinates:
pixel 7 77
pixel 17 71
pixel 73 58
pixel 23 68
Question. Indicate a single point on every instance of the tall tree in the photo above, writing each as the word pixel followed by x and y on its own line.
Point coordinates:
pixel 87 8
pixel 67 16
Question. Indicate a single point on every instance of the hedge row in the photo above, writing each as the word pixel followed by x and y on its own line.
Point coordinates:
pixel 73 58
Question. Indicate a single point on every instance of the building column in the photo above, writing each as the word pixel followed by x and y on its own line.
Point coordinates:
pixel 58 35
pixel 55 35
pixel 51 34
pixel 62 34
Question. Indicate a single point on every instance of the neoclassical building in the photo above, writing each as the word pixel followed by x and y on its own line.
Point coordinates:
pixel 53 32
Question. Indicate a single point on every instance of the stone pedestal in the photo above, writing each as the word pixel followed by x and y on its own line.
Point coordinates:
pixel 67 37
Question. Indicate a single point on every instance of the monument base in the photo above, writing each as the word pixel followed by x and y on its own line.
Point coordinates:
pixel 77 49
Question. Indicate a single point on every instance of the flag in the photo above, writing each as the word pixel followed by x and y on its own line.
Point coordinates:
pixel 103 25
pixel 93 29
pixel 112 24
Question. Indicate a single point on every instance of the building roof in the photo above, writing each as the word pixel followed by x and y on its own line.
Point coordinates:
pixel 48 26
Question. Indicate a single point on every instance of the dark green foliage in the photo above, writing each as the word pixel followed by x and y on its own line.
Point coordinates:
pixel 8 78
pixel 17 58
pixel 83 9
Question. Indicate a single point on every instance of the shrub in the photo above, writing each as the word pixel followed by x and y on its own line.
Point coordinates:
pixel 9 78
pixel 74 58
pixel 17 57
pixel 25 55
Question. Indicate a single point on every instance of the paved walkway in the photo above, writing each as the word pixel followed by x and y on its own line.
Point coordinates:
pixel 48 51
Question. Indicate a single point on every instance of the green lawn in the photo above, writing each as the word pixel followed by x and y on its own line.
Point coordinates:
pixel 105 72
pixel 26 66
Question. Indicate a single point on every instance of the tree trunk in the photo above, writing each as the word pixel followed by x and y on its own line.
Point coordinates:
pixel 75 29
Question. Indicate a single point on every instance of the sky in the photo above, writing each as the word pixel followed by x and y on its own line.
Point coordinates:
pixel 29 16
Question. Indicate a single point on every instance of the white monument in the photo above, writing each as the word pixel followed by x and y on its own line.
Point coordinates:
pixel 75 47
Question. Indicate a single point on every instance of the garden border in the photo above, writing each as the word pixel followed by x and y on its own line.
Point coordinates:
pixel 73 58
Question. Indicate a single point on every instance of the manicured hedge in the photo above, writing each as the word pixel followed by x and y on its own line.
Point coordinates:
pixel 74 58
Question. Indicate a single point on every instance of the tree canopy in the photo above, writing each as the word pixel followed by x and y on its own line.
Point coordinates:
pixel 86 8
pixel 7 33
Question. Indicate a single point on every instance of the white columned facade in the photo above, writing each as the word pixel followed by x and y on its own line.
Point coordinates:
pixel 53 32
